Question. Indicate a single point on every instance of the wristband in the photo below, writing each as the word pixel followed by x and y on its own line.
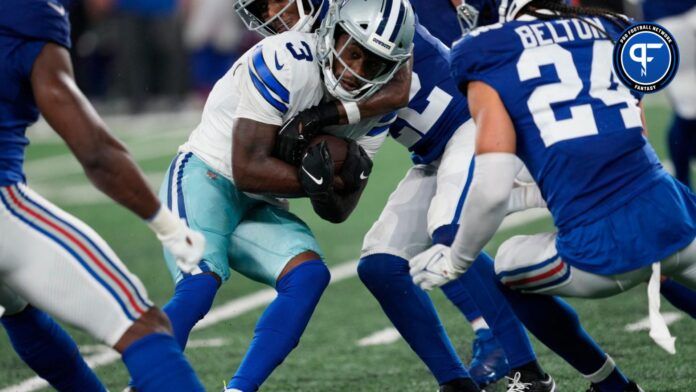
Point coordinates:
pixel 163 223
pixel 352 112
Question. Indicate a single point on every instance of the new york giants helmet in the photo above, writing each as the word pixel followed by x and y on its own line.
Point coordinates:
pixel 475 13
pixel 383 27
pixel 251 12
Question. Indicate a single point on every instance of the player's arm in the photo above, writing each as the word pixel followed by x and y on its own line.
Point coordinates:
pixel 296 133
pixel 105 160
pixel 254 168
pixel 494 174
pixel 392 96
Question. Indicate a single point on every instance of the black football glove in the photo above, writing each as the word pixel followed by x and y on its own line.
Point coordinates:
pixel 317 171
pixel 356 168
pixel 294 136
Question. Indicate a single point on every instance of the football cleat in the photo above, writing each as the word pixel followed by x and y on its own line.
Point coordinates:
pixel 489 363
pixel 631 387
pixel 520 382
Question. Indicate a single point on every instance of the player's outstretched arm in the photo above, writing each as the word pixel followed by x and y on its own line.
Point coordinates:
pixel 494 174
pixel 105 160
pixel 254 167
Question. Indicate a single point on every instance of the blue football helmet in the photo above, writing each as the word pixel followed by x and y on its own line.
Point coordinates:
pixel 251 12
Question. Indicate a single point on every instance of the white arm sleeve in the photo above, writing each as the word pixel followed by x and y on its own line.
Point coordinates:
pixel 485 206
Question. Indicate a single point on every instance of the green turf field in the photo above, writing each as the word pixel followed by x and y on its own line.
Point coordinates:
pixel 328 358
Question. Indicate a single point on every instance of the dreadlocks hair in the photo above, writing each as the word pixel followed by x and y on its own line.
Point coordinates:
pixel 560 9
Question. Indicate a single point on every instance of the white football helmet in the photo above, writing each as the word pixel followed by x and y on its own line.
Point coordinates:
pixel 251 12
pixel 385 28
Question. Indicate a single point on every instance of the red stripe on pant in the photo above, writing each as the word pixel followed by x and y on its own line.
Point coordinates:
pixel 533 279
pixel 80 245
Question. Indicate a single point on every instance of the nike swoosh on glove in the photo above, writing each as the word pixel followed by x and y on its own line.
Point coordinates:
pixel 317 171
pixel 356 168
pixel 433 267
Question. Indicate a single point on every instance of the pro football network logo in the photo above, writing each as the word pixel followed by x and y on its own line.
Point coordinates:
pixel 646 57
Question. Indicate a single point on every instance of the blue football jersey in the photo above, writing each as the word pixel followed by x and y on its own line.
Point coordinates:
pixel 658 9
pixel 440 18
pixel 25 27
pixel 579 130
pixel 436 108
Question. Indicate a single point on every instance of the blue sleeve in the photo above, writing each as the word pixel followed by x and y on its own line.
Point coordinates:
pixel 35 20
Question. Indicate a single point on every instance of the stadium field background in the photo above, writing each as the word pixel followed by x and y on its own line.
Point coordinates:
pixel 329 357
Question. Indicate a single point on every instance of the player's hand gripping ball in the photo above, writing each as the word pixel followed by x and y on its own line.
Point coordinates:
pixel 317 171
pixel 294 137
pixel 356 168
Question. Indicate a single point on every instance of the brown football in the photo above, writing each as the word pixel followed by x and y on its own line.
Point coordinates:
pixel 337 147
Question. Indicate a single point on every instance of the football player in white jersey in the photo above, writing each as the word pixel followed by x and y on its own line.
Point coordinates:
pixel 226 182
pixel 423 210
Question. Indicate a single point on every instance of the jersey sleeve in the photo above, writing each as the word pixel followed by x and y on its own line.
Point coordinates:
pixel 482 56
pixel 264 96
pixel 373 140
pixel 277 85
pixel 37 20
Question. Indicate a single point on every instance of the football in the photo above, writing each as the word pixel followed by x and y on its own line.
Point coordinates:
pixel 338 148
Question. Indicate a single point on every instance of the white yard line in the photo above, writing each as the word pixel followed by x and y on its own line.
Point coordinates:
pixel 227 311
pixel 84 193
pixel 384 336
pixel 644 323
pixel 249 302
pixel 57 166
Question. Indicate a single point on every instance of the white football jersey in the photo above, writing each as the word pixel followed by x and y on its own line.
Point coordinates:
pixel 270 83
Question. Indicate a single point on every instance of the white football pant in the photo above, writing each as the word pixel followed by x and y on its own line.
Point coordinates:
pixel 57 263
